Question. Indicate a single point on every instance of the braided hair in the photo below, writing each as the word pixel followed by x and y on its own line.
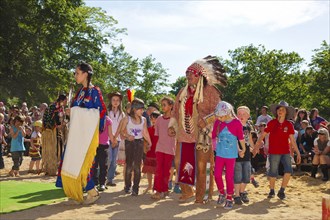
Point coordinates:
pixel 85 67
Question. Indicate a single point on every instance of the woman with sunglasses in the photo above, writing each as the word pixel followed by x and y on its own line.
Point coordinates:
pixel 322 153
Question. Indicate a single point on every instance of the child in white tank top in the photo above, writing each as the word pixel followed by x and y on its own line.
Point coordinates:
pixel 134 130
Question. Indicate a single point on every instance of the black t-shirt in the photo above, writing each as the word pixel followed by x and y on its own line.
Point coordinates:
pixel 308 141
pixel 247 155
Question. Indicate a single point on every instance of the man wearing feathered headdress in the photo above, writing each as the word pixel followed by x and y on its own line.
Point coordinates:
pixel 193 104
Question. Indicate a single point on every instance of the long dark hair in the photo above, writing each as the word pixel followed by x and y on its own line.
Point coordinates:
pixel 136 104
pixel 85 67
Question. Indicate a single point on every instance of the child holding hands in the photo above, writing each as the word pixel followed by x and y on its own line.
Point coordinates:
pixel 227 130
pixel 133 130
pixel 165 150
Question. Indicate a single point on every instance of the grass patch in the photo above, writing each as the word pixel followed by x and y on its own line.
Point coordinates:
pixel 20 195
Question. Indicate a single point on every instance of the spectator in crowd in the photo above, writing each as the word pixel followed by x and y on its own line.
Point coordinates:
pixel 322 153
pixel 42 109
pixel 151 108
pixel 3 142
pixel 315 119
pixel 34 151
pixel 264 117
pixel 27 139
pixel 51 145
pixel 301 115
pixel 17 132
pixel 306 142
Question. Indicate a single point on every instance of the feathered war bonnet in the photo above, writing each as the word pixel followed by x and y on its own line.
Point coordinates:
pixel 210 69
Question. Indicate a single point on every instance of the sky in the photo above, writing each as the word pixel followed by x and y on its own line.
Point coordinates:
pixel 177 33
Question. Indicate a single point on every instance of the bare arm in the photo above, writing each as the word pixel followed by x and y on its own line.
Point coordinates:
pixel 242 152
pixel 12 133
pixel 119 127
pixel 326 150
pixel 146 134
pixel 259 143
pixel 295 148
pixel 122 128
pixel 111 137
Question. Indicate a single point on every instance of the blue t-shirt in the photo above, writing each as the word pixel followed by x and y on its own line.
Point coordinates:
pixel 17 144
pixel 227 144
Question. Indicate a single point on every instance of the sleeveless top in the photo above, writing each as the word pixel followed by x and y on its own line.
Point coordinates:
pixel 322 145
pixel 17 144
pixel 135 129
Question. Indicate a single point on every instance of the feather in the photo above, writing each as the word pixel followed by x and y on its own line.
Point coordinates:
pixel 129 95
pixel 212 70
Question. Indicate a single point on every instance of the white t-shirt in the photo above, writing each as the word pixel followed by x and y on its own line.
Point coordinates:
pixel 115 121
pixel 263 118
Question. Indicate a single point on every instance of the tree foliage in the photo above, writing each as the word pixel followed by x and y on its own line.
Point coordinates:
pixel 42 40
pixel 318 80
pixel 152 79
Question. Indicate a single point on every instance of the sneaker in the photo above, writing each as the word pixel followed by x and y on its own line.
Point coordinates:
pixel 111 184
pixel 170 185
pixel 101 188
pixel 244 197
pixel 127 190
pixel 238 200
pixel 255 183
pixel 221 199
pixel 177 188
pixel 229 204
pixel 135 193
pixel 271 195
pixel 281 195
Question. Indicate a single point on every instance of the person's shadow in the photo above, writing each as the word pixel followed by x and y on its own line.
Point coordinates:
pixel 45 195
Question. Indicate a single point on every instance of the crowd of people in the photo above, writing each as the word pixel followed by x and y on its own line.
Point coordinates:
pixel 197 136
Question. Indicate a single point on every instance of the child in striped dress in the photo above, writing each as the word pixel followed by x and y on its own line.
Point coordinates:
pixel 34 151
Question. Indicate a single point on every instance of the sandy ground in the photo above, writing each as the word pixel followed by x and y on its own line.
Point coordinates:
pixel 304 198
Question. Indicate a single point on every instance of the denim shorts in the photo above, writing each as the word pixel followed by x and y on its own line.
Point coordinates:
pixel 274 161
pixel 242 172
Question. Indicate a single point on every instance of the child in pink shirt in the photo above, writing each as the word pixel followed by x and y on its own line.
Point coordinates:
pixel 165 150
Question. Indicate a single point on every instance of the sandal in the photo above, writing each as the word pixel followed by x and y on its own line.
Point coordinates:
pixel 92 196
pixel 16 172
pixel 185 198
pixel 11 173
pixel 157 196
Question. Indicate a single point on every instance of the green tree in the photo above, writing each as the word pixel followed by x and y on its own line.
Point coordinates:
pixel 123 69
pixel 319 78
pixel 260 77
pixel 41 40
pixel 178 84
pixel 152 79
